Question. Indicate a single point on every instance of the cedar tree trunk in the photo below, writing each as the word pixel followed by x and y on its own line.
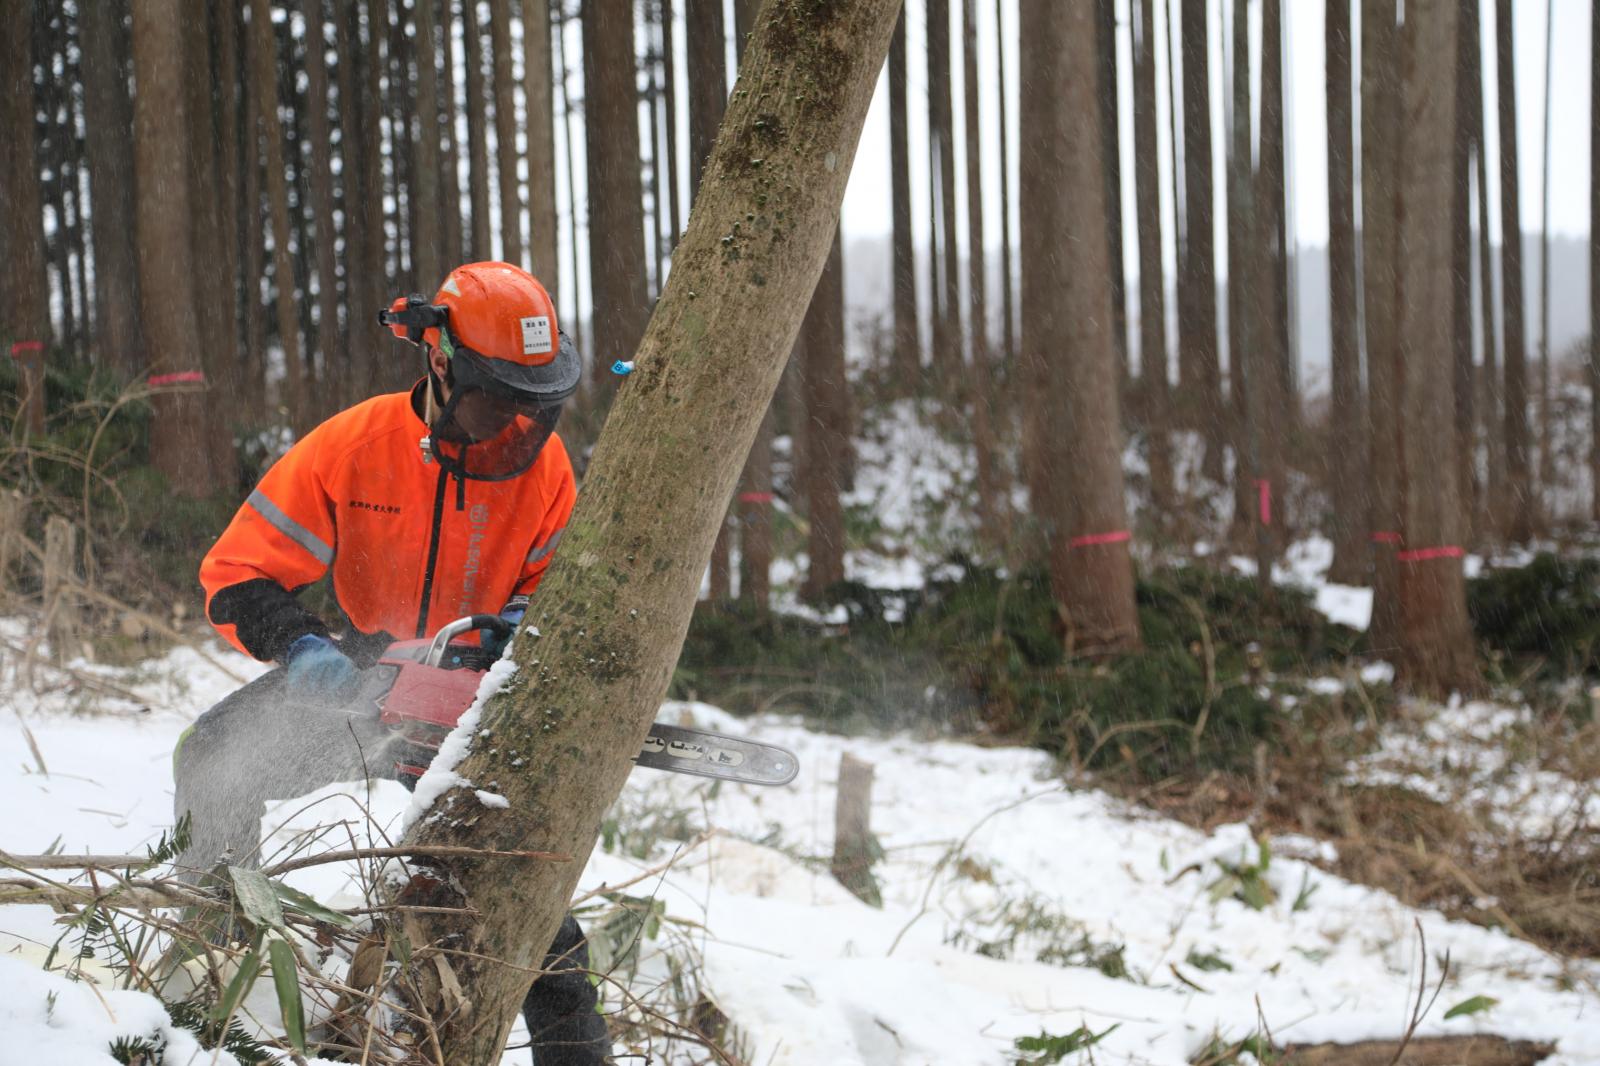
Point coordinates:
pixel 1240 255
pixel 1066 330
pixel 1437 651
pixel 538 90
pixel 1594 268
pixel 1346 470
pixel 505 132
pixel 907 358
pixel 23 283
pixel 616 198
pixel 1198 294
pixel 179 444
pixel 1380 177
pixel 1153 369
pixel 1520 502
pixel 980 392
pixel 108 115
pixel 827 428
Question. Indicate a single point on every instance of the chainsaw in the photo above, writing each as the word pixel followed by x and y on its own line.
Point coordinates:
pixel 423 687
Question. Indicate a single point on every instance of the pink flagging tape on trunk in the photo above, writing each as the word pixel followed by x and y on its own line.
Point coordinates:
pixel 755 497
pixel 1386 537
pixel 1422 555
pixel 182 377
pixel 21 348
pixel 1264 500
pixel 1090 539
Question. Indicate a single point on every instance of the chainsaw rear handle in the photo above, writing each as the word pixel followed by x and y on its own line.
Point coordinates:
pixel 451 630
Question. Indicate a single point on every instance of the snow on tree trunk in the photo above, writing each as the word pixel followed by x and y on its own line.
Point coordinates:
pixel 615 604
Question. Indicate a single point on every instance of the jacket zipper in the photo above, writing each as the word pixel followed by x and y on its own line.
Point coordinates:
pixel 433 554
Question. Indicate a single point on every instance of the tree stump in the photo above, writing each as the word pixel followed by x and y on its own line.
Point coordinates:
pixel 13 512
pixel 60 575
pixel 854 848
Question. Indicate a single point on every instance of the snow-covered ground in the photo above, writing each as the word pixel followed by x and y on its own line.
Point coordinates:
pixel 1013 904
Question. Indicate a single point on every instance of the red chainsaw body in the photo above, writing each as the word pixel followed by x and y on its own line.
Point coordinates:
pixel 422 702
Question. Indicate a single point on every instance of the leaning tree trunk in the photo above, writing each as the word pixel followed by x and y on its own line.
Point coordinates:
pixel 1521 502
pixel 615 605
pixel 178 439
pixel 1436 651
pixel 1066 330
pixel 1345 455
pixel 1380 157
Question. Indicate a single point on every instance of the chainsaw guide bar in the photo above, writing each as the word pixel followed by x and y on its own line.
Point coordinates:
pixel 704 754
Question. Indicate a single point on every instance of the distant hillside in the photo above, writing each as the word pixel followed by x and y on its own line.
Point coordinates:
pixel 867 294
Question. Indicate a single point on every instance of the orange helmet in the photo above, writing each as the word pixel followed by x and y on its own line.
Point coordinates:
pixel 498 326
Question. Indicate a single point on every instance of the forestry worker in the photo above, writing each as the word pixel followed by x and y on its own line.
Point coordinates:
pixel 428 505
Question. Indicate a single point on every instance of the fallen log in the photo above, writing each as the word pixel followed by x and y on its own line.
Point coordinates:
pixel 1430 1051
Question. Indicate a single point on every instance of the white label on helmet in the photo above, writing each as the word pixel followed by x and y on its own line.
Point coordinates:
pixel 450 286
pixel 536 335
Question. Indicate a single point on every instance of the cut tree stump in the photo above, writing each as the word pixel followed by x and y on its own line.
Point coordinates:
pixel 1434 1051
pixel 60 577
pixel 13 512
pixel 854 849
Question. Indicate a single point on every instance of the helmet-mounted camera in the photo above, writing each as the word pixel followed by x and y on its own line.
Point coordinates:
pixel 410 316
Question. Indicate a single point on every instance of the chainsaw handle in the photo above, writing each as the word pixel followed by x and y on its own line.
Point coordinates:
pixel 451 630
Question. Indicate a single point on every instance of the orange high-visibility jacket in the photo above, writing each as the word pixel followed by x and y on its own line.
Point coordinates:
pixel 411 547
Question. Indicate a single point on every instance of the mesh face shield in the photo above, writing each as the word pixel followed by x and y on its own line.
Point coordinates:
pixel 499 414
pixel 483 436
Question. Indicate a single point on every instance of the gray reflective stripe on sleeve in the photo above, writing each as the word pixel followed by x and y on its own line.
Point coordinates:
pixel 540 551
pixel 296 532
